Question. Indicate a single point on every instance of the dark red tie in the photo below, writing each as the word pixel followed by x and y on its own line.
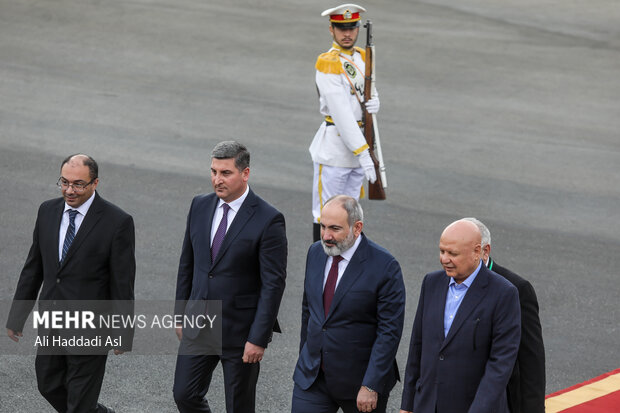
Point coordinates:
pixel 330 284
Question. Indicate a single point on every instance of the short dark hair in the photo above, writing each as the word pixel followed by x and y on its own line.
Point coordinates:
pixel 230 150
pixel 93 168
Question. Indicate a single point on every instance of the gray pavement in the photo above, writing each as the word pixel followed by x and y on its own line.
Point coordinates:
pixel 507 111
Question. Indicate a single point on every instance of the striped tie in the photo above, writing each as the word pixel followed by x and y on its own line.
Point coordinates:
pixel 70 233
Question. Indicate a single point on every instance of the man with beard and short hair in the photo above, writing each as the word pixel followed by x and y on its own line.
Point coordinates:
pixel 339 151
pixel 352 318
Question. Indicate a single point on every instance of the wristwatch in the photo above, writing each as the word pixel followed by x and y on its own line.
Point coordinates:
pixel 369 389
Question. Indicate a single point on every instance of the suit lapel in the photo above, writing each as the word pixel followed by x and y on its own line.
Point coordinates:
pixel 354 270
pixel 209 212
pixel 52 227
pixel 474 295
pixel 90 220
pixel 315 284
pixel 437 299
pixel 241 218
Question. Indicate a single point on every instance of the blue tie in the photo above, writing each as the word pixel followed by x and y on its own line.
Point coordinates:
pixel 70 233
pixel 218 239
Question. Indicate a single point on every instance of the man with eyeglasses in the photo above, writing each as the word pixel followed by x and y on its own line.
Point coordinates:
pixel 82 249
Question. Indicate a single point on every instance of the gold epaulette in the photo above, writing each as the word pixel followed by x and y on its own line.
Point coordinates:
pixel 329 63
pixel 362 52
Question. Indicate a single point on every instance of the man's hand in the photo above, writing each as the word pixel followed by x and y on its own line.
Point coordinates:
pixel 117 352
pixel 14 335
pixel 179 332
pixel 252 353
pixel 368 165
pixel 366 400
pixel 372 106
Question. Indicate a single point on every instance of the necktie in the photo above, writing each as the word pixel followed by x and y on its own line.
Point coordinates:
pixel 70 233
pixel 330 284
pixel 218 239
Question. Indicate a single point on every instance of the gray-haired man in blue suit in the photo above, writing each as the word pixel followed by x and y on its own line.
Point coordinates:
pixel 352 318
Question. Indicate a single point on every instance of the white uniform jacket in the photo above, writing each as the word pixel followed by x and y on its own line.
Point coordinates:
pixel 338 144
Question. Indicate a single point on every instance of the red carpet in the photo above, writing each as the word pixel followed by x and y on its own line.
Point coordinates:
pixel 599 395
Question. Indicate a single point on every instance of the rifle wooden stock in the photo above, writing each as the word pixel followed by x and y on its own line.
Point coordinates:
pixel 376 190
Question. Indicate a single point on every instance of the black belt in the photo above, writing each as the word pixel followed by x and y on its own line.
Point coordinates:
pixel 359 123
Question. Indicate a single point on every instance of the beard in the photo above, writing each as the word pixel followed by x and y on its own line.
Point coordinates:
pixel 334 248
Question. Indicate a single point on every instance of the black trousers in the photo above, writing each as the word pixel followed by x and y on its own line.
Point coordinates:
pixel 70 383
pixel 192 378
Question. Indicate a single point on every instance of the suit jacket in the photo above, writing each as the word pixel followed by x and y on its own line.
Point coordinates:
pixel 359 338
pixel 248 274
pixel 526 387
pixel 99 265
pixel 468 370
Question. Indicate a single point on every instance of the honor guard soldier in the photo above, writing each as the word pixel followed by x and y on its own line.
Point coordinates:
pixel 339 150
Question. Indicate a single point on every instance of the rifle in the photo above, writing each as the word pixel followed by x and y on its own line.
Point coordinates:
pixel 371 131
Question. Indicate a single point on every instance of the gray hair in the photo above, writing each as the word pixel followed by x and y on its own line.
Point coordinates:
pixel 350 204
pixel 232 150
pixel 484 231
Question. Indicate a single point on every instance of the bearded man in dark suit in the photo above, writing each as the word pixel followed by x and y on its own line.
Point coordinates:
pixel 352 318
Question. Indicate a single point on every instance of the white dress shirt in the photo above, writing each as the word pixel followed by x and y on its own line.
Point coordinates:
pixel 64 223
pixel 342 265
pixel 232 212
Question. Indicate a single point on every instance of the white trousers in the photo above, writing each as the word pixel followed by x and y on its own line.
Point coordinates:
pixel 334 180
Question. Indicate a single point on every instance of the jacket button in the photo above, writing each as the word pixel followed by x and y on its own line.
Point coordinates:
pixel 210 275
pixel 324 329
pixel 441 357
pixel 57 280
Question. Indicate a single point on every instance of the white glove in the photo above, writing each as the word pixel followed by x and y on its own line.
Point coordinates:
pixel 372 106
pixel 368 165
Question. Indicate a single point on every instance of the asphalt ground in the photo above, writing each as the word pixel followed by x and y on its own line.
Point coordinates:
pixel 507 111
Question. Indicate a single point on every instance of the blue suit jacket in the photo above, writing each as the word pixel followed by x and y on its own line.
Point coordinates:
pixel 359 337
pixel 248 274
pixel 468 370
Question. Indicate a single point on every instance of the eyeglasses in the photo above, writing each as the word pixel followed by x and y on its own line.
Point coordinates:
pixel 62 183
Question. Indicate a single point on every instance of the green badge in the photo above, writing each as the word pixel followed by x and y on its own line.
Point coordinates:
pixel 350 69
